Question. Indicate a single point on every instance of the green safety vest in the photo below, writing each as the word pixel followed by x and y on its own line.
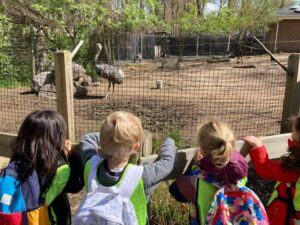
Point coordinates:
pixel 138 197
pixel 57 186
pixel 205 195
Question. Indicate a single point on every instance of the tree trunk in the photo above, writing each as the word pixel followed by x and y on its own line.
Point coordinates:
pixel 228 43
pixel 33 50
pixel 112 52
pixel 197 44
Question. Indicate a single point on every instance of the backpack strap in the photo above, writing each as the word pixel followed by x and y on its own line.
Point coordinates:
pixel 290 209
pixel 92 181
pixel 288 201
pixel 130 180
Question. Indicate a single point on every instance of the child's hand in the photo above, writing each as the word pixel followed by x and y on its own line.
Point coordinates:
pixel 295 135
pixel 253 141
pixel 68 147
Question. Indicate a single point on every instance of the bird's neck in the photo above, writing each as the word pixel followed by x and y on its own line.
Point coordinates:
pixel 97 55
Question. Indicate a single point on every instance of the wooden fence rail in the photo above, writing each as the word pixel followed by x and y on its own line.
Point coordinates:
pixel 276 145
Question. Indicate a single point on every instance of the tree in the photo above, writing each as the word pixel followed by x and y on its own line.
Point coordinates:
pixel 4 31
pixel 73 20
pixel 250 17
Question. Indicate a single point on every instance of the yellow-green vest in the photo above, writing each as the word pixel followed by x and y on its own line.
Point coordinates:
pixel 138 197
pixel 296 199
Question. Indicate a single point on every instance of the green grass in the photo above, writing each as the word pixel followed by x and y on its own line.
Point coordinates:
pixel 173 133
pixel 11 83
pixel 165 210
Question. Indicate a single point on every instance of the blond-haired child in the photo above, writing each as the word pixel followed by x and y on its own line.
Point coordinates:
pixel 216 165
pixel 120 136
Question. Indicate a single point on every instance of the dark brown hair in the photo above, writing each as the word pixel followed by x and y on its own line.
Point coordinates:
pixel 291 160
pixel 40 143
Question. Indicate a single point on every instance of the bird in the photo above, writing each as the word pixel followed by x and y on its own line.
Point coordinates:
pixel 113 74
pixel 138 58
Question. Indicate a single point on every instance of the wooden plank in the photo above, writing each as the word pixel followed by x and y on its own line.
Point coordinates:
pixel 64 89
pixel 291 102
pixel 147 143
pixel 276 145
pixel 5 141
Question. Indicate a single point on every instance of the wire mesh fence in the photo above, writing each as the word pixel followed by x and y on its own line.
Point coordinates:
pixel 174 100
pixel 177 101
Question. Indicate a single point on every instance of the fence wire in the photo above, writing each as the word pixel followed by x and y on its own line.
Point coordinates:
pixel 175 100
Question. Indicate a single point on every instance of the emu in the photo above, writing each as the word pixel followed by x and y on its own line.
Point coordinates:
pixel 113 74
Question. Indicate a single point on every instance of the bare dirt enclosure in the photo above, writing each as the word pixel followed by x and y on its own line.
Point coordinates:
pixel 249 99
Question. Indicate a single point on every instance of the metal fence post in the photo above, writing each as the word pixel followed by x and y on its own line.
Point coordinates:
pixel 291 104
pixel 64 89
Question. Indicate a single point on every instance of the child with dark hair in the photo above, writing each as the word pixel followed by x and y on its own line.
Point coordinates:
pixel 284 203
pixel 45 167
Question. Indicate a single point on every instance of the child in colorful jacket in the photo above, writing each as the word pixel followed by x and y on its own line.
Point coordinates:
pixel 41 171
pixel 216 165
pixel 284 203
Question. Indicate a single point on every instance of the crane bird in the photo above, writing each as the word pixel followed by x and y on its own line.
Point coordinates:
pixel 113 74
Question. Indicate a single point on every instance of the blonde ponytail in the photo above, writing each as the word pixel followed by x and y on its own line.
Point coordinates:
pixel 217 139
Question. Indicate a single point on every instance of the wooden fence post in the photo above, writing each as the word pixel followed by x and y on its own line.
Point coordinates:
pixel 291 104
pixel 147 143
pixel 64 89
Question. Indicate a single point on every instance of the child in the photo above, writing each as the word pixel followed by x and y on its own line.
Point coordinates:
pixel 216 165
pixel 40 161
pixel 120 136
pixel 284 203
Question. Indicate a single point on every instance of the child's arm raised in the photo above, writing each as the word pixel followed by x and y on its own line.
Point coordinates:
pixel 159 170
pixel 89 145
pixel 266 168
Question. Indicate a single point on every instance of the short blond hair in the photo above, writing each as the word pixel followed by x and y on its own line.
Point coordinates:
pixel 118 133
pixel 217 139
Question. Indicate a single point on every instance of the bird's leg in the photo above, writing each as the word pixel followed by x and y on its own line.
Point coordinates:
pixel 113 87
pixel 109 84
pixel 113 83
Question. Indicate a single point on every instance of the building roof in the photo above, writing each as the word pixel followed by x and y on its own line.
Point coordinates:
pixel 288 14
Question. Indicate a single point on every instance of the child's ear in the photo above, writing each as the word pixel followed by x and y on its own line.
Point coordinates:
pixel 136 147
pixel 199 155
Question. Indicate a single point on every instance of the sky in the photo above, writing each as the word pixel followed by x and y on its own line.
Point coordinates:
pixel 211 7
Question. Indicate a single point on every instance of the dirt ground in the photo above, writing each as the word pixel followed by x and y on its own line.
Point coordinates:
pixel 250 100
